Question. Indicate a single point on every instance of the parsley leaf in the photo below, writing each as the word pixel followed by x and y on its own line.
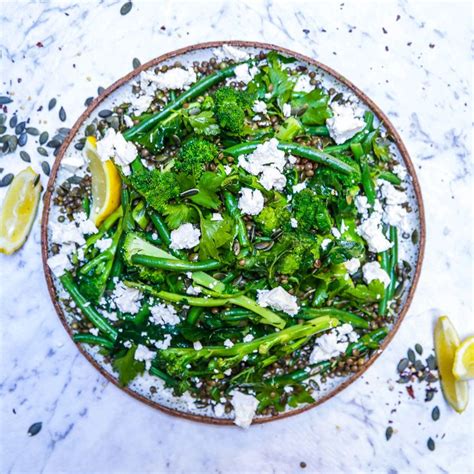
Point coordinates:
pixel 214 235
pixel 317 107
pixel 177 214
pixel 208 186
pixel 127 367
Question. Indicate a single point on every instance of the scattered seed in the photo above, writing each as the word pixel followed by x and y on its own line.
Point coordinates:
pixel 415 237
pixel 5 100
pixel 3 129
pixel 25 156
pixel 43 138
pixel 264 246
pixel 35 428
pixel 431 362
pixel 411 356
pixel 52 104
pixel 3 119
pixel 419 365
pixel 429 395
pixel 13 121
pixel 20 127
pixel 12 143
pixel 6 180
pixel 100 90
pixel 45 167
pixel 62 114
pixel 88 101
pixel 419 349
pixel 54 143
pixel 79 146
pixel 105 113
pixel 388 433
pixel 435 414
pixel 402 365
pixel 431 444
pixel 189 193
pixel 125 9
pixel 32 131
pixel 136 63
pixel 42 151
pixel 22 139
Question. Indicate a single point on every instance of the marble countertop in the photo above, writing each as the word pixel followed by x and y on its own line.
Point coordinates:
pixel 414 60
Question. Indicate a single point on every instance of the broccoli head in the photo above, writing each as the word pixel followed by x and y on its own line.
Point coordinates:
pixel 298 252
pixel 311 212
pixel 157 187
pixel 230 105
pixel 194 155
pixel 272 218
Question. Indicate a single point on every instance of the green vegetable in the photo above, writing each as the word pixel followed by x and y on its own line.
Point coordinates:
pixel 93 340
pixel 233 209
pixel 315 107
pixel 311 212
pixel 127 367
pixel 194 155
pixel 230 105
pixel 389 264
pixel 174 265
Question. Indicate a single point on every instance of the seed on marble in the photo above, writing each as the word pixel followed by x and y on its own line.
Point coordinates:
pixel 35 428
pixel 88 101
pixel 42 151
pixel 419 349
pixel 388 433
pixel 6 180
pixel 136 63
pixel 22 139
pixel 435 414
pixel 411 356
pixel 62 114
pixel 32 131
pixel 25 156
pixel 43 138
pixel 100 90
pixel 4 100
pixel 52 104
pixel 46 168
pixel 126 7
pixel 431 444
pixel 105 113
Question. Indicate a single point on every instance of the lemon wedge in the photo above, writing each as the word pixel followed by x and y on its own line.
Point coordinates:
pixel 19 210
pixel 106 183
pixel 463 368
pixel 446 339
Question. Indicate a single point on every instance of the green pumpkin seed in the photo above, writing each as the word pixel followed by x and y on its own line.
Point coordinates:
pixel 43 138
pixel 100 90
pixel 88 101
pixel 435 414
pixel 4 100
pixel 3 129
pixel 105 113
pixel 54 143
pixel 20 127
pixel 35 428
pixel 22 139
pixel 411 356
pixel 126 7
pixel 46 168
pixel 64 131
pixel 431 362
pixel 136 63
pixel 52 104
pixel 62 114
pixel 402 365
pixel 32 131
pixel 388 433
pixel 419 349
pixel 90 130
pixel 25 156
pixel 431 444
pixel 13 121
pixel 42 151
pixel 6 180
pixel 3 119
pixel 12 143
pixel 79 146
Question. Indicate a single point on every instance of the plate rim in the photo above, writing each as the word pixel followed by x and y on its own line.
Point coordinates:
pixel 178 52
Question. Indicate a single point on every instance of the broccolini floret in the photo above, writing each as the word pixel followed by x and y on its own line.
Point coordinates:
pixel 271 218
pixel 230 106
pixel 194 155
pixel 311 212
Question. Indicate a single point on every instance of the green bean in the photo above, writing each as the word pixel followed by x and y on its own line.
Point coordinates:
pixel 194 314
pixel 368 341
pixel 139 215
pixel 344 316
pixel 94 340
pixel 357 138
pixel 389 260
pixel 175 265
pixel 86 205
pixel 320 131
pixel 162 375
pixel 233 209
pixel 163 232
pixel 86 307
pixel 366 178
pixel 194 91
pixel 390 177
pixel 298 150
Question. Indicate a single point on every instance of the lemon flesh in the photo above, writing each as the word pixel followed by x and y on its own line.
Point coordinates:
pixel 446 339
pixel 19 210
pixel 106 183
pixel 463 368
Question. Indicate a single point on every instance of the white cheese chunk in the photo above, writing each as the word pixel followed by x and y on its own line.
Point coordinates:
pixel 373 271
pixel 245 73
pixel 114 146
pixel 293 223
pixel 345 122
pixel 230 52
pixel 352 265
pixel 59 263
pixel 103 244
pixel 286 109
pixel 164 314
pixel 127 300
pixel 175 78
pixel 251 201
pixel 332 343
pixel 165 343
pixel 216 216
pixel 244 408
pixel 278 298
pixel 197 346
pixel 303 84
pixel 259 107
pixel 143 354
pixel 185 236
pixel 299 187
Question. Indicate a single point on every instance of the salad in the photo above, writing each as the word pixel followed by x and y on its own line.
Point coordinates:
pixel 231 228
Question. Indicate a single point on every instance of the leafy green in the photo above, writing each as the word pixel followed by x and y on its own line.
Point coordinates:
pixel 155 140
pixel 371 293
pixel 316 106
pixel 282 85
pixel 340 251
pixel 177 214
pixel 204 123
pixel 289 129
pixel 214 236
pixel 208 186
pixel 127 367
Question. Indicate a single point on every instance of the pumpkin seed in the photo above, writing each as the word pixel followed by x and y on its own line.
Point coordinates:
pixel 431 444
pixel 419 366
pixel 12 143
pixel 136 63
pixel 90 130
pixel 236 247
pixel 79 146
pixel 388 433
pixel 4 100
pixel 100 90
pixel 431 362
pixel 22 139
pixel 264 246
pixel 52 104
pixel 429 395
pixel 402 365
pixel 3 119
pixel 105 113
pixel 64 131
pixel 88 101
pixel 45 167
pixel 3 129
pixel 20 127
pixel 411 356
pixel 35 428
pixel 25 156
pixel 62 114
pixel 419 349
pixel 5 147
pixel 6 180
pixel 415 237
pixel 42 151
pixel 54 143
pixel 125 9
pixel 56 151
pixel 189 193
pixel 43 138
pixel 435 414
pixel 13 121
pixel 32 131
pixel 4 138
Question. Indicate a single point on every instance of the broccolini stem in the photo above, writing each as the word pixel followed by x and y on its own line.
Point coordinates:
pixel 298 150
pixel 194 91
pixel 194 315
pixel 174 265
pixel 321 131
pixel 170 381
pixel 389 260
pixel 94 340
pixel 164 233
pixel 390 177
pixel 368 341
pixel 86 307
pixel 343 316
pixel 366 178
pixel 233 209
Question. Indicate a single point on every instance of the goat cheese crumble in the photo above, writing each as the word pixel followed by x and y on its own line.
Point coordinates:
pixel 186 236
pixel 244 73
pixel 59 263
pixel 278 298
pixel 143 354
pixel 230 52
pixel 113 145
pixel 344 123
pixel 286 109
pixel 164 314
pixel 244 408
pixel 251 201
pixel 103 244
pixel 299 187
pixel 373 271
pixel 127 300
pixel 176 78
pixel 259 107
pixel 165 343
pixel 293 223
pixel 370 229
pixel 333 343
pixel 352 265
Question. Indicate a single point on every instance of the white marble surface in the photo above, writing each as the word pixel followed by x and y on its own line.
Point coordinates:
pixel 91 426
